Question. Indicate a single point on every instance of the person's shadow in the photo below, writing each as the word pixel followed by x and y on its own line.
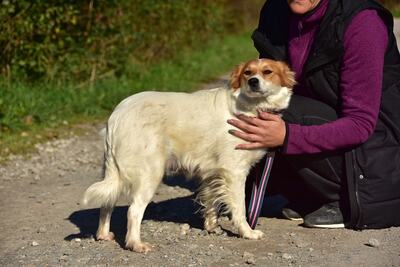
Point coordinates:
pixel 178 210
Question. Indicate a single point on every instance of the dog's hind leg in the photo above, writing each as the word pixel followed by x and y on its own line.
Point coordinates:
pixel 141 196
pixel 211 196
pixel 105 194
pixel 103 231
pixel 210 219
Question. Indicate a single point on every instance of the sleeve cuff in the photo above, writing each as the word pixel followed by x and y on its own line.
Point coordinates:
pixel 283 148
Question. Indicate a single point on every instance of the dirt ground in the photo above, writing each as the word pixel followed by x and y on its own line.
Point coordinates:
pixel 43 224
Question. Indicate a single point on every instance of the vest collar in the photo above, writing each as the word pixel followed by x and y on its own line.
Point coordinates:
pixel 311 18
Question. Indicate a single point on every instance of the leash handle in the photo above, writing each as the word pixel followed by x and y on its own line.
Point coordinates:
pixel 258 191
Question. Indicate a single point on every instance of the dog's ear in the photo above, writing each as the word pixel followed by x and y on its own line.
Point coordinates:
pixel 287 75
pixel 235 76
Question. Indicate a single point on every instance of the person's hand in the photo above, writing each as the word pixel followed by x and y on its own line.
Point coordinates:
pixel 266 131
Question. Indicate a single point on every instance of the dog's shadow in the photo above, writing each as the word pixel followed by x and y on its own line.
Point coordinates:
pixel 178 210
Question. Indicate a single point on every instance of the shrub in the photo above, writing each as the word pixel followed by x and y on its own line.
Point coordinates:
pixel 62 40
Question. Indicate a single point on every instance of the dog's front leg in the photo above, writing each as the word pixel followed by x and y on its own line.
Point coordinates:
pixel 238 209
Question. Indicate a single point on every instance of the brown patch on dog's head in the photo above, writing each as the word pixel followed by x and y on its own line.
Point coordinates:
pixel 236 76
pixel 286 75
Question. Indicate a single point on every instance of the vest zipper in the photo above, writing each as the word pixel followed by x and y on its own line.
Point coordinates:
pixel 357 173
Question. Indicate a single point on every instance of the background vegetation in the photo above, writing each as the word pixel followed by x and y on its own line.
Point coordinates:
pixel 79 40
pixel 393 5
pixel 67 61
pixel 64 61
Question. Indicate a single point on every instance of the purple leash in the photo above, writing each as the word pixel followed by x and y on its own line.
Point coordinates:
pixel 258 192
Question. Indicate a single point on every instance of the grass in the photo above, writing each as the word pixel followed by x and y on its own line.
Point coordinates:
pixel 394 7
pixel 34 113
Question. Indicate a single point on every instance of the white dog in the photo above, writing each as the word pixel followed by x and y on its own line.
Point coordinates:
pixel 151 133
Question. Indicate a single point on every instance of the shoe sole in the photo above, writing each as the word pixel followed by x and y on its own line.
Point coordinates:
pixel 326 226
pixel 294 219
pixel 291 218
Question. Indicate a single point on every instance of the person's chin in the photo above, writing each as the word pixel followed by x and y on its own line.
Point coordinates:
pixel 300 6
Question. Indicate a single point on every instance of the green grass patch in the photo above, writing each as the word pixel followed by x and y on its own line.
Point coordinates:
pixel 396 12
pixel 29 111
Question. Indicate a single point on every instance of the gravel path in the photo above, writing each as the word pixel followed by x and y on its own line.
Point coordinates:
pixel 43 224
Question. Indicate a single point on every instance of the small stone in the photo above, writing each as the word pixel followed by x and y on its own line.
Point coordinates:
pixel 42 230
pixel 270 254
pixel 78 240
pixel 310 249
pixel 203 233
pixel 251 261
pixel 218 231
pixel 373 243
pixel 287 256
pixel 34 244
pixel 249 258
pixel 301 244
pixel 184 229
pixel 64 257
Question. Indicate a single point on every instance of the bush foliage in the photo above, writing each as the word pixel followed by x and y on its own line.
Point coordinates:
pixel 81 40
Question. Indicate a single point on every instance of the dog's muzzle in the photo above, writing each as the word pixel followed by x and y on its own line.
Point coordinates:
pixel 254 84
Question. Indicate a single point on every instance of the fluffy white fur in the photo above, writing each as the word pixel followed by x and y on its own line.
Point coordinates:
pixel 152 132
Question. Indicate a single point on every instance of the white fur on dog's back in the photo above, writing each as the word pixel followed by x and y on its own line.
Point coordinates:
pixel 187 126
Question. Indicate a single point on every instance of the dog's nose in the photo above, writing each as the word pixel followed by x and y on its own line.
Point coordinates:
pixel 253 82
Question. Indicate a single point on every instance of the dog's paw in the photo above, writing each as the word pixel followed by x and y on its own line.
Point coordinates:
pixel 211 223
pixel 253 234
pixel 106 237
pixel 140 247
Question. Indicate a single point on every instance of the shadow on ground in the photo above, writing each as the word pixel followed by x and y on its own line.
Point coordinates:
pixel 178 210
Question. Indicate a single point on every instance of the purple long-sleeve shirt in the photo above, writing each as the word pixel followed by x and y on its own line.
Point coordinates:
pixel 365 42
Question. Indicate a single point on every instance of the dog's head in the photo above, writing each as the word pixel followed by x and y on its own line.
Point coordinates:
pixel 262 78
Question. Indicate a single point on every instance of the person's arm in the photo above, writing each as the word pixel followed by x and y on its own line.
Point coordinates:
pixel 365 43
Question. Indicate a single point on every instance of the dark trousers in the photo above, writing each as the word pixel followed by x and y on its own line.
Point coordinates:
pixel 312 178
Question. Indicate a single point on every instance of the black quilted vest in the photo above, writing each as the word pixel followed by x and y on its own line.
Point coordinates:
pixel 373 168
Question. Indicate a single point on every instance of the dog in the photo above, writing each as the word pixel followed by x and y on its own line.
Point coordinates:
pixel 150 133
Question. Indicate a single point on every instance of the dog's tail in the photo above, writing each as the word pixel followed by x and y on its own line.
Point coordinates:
pixel 106 192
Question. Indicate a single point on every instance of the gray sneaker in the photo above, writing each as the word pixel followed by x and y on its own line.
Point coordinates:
pixel 328 216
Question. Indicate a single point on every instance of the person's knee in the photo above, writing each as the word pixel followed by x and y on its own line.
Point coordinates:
pixel 307 111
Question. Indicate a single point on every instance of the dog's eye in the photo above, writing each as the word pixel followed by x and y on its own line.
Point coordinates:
pixel 247 72
pixel 266 72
